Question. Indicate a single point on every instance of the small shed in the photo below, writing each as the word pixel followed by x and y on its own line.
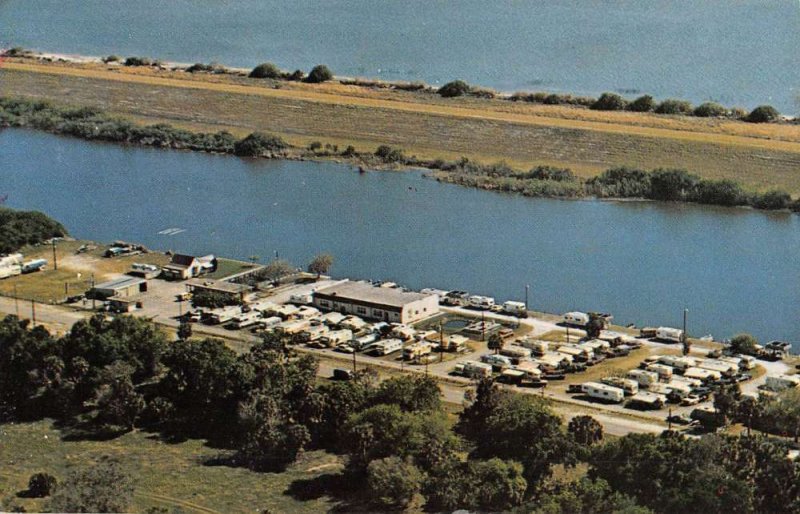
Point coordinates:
pixel 120 288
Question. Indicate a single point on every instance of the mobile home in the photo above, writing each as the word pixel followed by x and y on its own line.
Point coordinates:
pixel 603 392
pixel 499 361
pixel 669 335
pixel 647 400
pixel 536 347
pixel 725 369
pixel 643 377
pixel 336 337
pixel 474 369
pixel 576 319
pixel 664 372
pixel 515 308
pixel 386 347
pixel 702 374
pixel 629 386
pixel 416 351
pixel 516 352
pixel 481 302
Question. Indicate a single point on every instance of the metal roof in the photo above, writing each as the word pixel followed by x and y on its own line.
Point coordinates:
pixel 120 283
pixel 359 291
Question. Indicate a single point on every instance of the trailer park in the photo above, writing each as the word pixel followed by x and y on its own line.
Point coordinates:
pixel 454 335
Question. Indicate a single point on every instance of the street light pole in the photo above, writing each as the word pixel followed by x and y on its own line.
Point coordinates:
pixel 55 259
pixel 527 288
pixel 685 337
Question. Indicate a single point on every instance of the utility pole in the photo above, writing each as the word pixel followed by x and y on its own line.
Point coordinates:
pixel 55 259
pixel 93 305
pixel 483 325
pixel 685 337
pixel 567 334
pixel 354 360
pixel 669 419
pixel 441 343
pixel 527 288
pixel 33 312
pixel 16 301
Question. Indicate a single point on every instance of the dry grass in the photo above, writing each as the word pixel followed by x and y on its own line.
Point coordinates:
pixel 758 156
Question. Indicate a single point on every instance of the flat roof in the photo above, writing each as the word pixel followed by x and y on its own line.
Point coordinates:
pixel 218 285
pixel 120 283
pixel 360 291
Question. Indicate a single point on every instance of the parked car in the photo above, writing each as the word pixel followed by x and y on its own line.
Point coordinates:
pixel 691 400
pixel 343 374
pixel 574 388
pixel 680 419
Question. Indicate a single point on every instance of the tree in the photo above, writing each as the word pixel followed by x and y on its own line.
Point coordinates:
pixel 744 344
pixel 319 73
pixel 481 404
pixel 496 485
pixel 213 299
pixel 595 325
pixel 454 88
pixel 721 192
pixel 102 487
pixel 726 402
pixel 710 110
pixel 495 343
pixel 277 269
pixel 259 144
pixel 644 103
pixel 763 114
pixel 265 70
pixel 320 264
pixel 585 430
pixel 394 481
pixel 609 102
pixel 118 403
pixel 672 106
pixel 20 228
pixel 772 200
pixel 412 393
pixel 272 438
pixel 586 496
pixel 672 185
pixel 41 485
pixel 184 330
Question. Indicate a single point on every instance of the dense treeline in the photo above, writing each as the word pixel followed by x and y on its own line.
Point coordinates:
pixel 93 124
pixel 266 407
pixel 20 228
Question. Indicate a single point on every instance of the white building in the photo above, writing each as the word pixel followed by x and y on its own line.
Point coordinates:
pixel 386 304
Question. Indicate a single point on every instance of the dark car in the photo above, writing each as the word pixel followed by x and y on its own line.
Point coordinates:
pixel 574 388
pixel 680 419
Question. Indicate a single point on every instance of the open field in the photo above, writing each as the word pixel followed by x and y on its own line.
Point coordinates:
pixel 167 475
pixel 758 156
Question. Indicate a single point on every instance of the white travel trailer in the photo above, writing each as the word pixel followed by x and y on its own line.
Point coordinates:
pixel 516 352
pixel 576 319
pixel 302 298
pixel 724 368
pixel 670 335
pixel 648 400
pixel 514 308
pixel 531 369
pixel 271 322
pixel 535 346
pixel 702 374
pixel 416 351
pixel 386 347
pixel 336 337
pixel 681 363
pixel 481 302
pixel 603 392
pixel 664 372
pixel 10 265
pixel 293 327
pixel 643 377
pixel 500 361
pixel 629 386
pixel 474 369
pixel 314 332
pixel 223 315
pixel 246 320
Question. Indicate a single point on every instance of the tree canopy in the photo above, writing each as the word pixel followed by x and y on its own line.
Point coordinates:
pixel 20 228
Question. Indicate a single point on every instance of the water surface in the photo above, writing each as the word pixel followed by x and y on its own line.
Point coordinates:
pixel 735 269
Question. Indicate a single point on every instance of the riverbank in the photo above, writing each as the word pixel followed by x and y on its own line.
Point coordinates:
pixel 424 125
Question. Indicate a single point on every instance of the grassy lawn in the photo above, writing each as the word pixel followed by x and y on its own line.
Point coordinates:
pixel 758 156
pixel 228 267
pixel 165 475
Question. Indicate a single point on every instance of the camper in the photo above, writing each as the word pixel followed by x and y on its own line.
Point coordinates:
pixel 10 265
pixel 336 337
pixel 314 332
pixel 517 353
pixel 702 374
pixel 285 311
pixel 531 370
pixel 664 372
pixel 782 382
pixel 603 392
pixel 223 315
pixel 246 320
pixel 554 360
pixel 302 298
pixel 747 362
pixel 481 302
pixel 515 309
pixel 512 376
pixel 455 298
pixel 679 388
pixel 536 347
pixel 403 332
pixel 474 369
pixel 386 347
pixel 271 322
pixel 416 351
pixel 726 369
pixel 307 312
pixel 597 346
pixel 576 319
pixel 362 342
pixel 629 386
pixel 678 363
pixel 644 377
pixel 669 335
pixel 454 343
pixel 353 323
pixel 293 327
pixel 34 265
pixel 497 361
pixel 332 318
pixel 577 353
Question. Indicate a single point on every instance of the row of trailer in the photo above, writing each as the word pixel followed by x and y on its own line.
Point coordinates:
pixel 479 302
pixel 14 264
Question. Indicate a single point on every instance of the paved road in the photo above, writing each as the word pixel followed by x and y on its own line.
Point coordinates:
pixel 59 319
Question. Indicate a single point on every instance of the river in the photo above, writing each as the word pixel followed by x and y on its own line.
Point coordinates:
pixel 734 269
pixel 740 53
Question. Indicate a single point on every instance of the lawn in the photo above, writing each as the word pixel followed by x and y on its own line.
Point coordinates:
pixel 172 476
pixel 759 157
pixel 228 267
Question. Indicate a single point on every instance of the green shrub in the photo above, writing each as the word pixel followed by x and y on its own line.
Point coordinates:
pixel 318 74
pixel 644 103
pixel 763 114
pixel 454 88
pixel 721 192
pixel 620 182
pixel 265 70
pixel 710 110
pixel 609 102
pixel 772 200
pixel 673 106
pixel 138 61
pixel 389 154
pixel 20 228
pixel 213 299
pixel 201 67
pixel 673 185
pixel 550 173
pixel 295 76
pixel 259 144
pixel 41 485
pixel 350 151
pixel 112 58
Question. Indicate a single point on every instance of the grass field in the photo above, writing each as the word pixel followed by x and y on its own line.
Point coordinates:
pixel 758 156
pixel 228 267
pixel 171 476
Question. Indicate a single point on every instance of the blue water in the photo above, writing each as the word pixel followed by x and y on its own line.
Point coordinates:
pixel 736 270
pixel 741 52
